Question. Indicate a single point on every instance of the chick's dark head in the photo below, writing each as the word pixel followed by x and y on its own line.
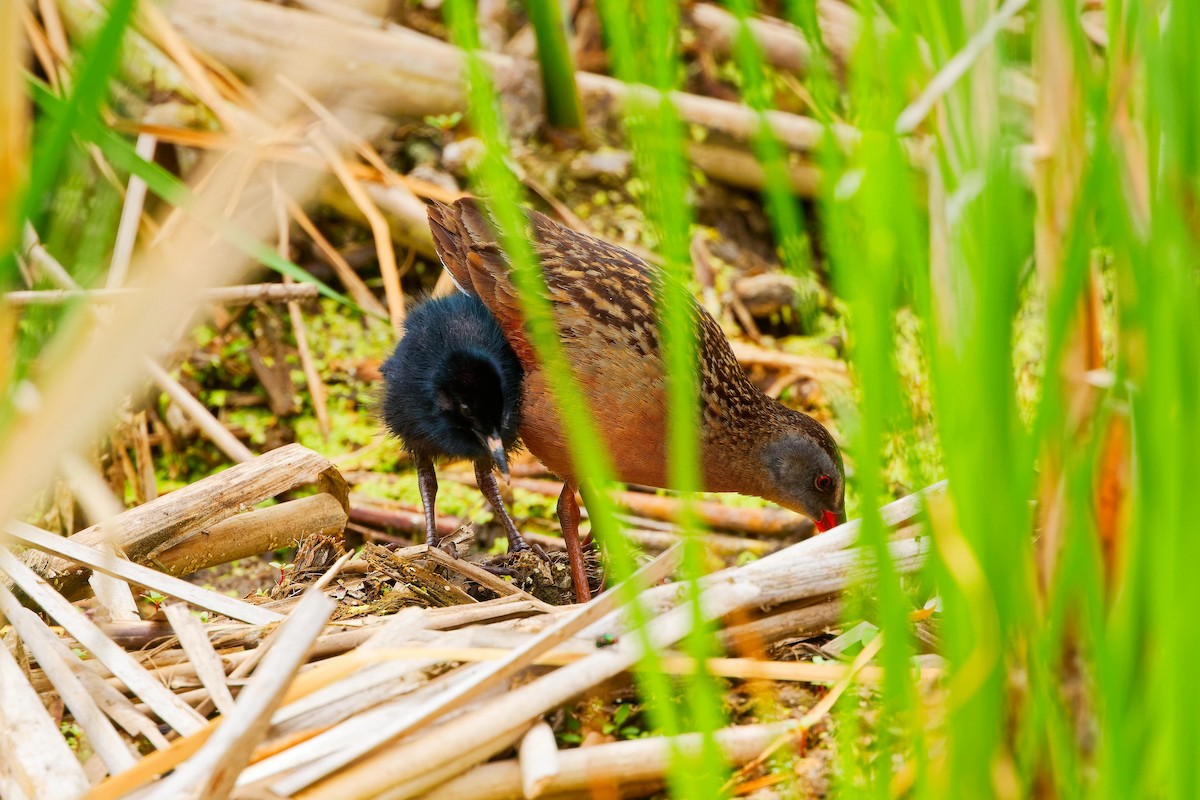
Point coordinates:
pixel 476 405
pixel 452 387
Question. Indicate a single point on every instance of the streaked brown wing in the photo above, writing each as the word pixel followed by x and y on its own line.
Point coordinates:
pixel 595 288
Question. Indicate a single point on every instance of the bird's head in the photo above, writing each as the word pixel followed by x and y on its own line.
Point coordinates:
pixel 804 468
pixel 479 404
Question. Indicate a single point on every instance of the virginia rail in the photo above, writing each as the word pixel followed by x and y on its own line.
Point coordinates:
pixel 604 308
pixel 452 389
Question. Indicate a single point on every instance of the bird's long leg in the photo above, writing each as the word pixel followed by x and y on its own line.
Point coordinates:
pixel 486 481
pixel 427 484
pixel 568 520
pixel 586 491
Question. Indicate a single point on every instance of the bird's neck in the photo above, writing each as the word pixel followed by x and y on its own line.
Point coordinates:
pixel 736 427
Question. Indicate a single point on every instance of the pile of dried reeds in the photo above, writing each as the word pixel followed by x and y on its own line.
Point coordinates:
pixel 409 704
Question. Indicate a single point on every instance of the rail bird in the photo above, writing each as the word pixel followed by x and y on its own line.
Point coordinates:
pixel 603 300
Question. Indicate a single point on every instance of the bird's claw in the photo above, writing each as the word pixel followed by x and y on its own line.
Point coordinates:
pixel 434 542
pixel 519 545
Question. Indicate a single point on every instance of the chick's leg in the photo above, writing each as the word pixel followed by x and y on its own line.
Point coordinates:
pixel 427 484
pixel 486 481
pixel 568 520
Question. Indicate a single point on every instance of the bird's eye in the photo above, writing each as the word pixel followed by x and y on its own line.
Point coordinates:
pixel 823 483
pixel 465 410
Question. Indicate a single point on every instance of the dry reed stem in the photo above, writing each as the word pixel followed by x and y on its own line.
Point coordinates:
pixel 112 702
pixel 210 425
pixel 279 152
pixel 416 764
pixel 225 295
pixel 812 568
pixel 195 643
pixel 316 386
pixel 312 378
pixel 107 363
pixel 737 167
pixel 10 789
pixel 198 79
pixel 720 544
pixel 113 593
pixel 639 764
pixel 55 33
pixel 406 214
pixel 397 699
pixel 815 367
pixel 766 522
pixel 166 705
pixel 350 279
pixel 321 675
pixel 99 504
pixel 40 44
pixel 485 680
pixel 361 146
pixel 817 712
pixel 379 228
pixel 795 622
pixel 212 428
pixel 131 218
pixel 101 734
pixel 142 63
pixel 956 67
pixel 190 259
pixel 537 756
pixel 481 576
pixel 37 754
pixel 212 771
pixel 671 664
pixel 782 45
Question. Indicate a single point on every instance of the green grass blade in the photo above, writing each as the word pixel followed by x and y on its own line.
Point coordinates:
pixel 558 68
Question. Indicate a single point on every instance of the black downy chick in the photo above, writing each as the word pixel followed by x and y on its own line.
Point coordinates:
pixel 452 389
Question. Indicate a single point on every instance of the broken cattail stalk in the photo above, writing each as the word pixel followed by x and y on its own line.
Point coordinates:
pixel 254 532
pixel 155 526
pixel 98 559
